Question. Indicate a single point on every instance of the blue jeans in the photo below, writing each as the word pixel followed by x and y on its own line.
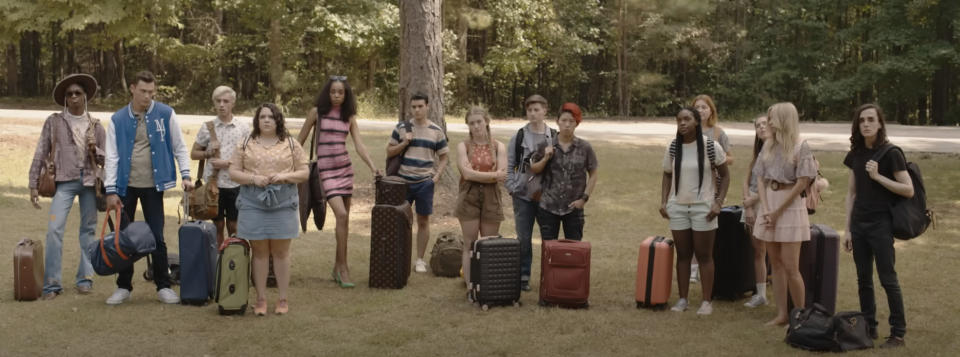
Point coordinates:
pixel 59 210
pixel 524 215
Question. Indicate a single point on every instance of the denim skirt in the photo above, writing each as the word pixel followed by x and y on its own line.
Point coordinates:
pixel 271 212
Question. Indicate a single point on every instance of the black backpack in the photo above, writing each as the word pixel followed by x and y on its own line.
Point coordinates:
pixel 910 215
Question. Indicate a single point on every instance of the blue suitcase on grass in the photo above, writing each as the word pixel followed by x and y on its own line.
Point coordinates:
pixel 198 261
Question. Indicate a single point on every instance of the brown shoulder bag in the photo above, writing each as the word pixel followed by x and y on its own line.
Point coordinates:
pixel 205 199
pixel 47 182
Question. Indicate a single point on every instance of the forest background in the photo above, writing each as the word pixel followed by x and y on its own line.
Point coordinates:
pixel 617 58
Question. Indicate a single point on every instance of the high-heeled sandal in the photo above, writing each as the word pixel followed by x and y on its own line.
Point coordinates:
pixel 282 307
pixel 336 277
pixel 259 310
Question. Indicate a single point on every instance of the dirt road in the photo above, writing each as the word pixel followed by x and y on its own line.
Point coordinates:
pixel 821 136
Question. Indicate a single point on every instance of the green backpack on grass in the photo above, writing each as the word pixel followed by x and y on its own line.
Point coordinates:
pixel 446 257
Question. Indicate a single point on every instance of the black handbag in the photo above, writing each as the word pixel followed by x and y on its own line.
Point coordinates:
pixel 852 331
pixel 812 329
pixel 121 248
pixel 312 197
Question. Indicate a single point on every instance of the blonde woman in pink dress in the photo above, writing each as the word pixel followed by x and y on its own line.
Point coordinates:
pixel 337 109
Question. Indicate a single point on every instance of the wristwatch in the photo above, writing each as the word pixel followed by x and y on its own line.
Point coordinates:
pixel 585 197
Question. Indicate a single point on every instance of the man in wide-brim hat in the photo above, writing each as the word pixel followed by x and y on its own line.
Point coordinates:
pixel 74 142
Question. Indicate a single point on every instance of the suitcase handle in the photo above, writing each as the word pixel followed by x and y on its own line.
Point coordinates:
pixel 116 238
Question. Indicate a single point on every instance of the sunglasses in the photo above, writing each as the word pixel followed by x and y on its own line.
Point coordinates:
pixel 338 78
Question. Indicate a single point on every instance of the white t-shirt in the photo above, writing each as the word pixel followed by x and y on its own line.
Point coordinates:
pixel 691 190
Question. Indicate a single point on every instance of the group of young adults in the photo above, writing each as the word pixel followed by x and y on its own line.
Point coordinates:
pixel 695 183
pixel 549 173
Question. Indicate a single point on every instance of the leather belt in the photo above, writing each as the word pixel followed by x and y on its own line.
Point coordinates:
pixel 777 186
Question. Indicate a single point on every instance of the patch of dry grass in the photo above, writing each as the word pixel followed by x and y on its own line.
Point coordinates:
pixel 430 317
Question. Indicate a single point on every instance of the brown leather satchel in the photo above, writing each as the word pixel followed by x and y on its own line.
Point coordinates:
pixel 205 199
pixel 47 182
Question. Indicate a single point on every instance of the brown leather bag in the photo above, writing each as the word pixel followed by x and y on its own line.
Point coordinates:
pixel 205 199
pixel 47 182
pixel 394 162
pixel 28 270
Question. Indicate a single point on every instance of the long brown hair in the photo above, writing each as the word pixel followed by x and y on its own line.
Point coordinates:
pixel 857 141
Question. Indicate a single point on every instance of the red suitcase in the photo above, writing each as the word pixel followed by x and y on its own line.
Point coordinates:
pixel 27 270
pixel 565 273
pixel 654 272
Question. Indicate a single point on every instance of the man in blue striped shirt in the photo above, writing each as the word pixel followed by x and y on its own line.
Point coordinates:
pixel 424 149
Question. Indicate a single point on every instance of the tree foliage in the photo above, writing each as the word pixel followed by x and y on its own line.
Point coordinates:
pixel 614 57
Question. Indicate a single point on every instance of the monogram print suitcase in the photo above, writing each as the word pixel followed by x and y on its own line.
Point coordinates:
pixel 390 246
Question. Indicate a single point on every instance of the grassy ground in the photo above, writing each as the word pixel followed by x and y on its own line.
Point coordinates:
pixel 430 317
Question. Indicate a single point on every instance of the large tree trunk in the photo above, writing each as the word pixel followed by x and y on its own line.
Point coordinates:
pixel 276 59
pixel 13 78
pixel 622 106
pixel 118 56
pixel 421 56
pixel 30 63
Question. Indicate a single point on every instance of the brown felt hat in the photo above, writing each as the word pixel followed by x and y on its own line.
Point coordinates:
pixel 86 81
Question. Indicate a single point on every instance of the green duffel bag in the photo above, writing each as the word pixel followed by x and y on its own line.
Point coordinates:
pixel 446 259
pixel 233 277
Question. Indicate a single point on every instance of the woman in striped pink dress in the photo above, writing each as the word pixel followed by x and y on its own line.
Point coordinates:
pixel 338 108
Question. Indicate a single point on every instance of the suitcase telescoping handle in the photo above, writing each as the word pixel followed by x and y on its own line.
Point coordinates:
pixel 116 238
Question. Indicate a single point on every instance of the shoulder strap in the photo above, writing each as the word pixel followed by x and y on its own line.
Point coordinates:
pixel 883 151
pixel 293 153
pixel 53 139
pixel 518 147
pixel 711 152
pixel 316 136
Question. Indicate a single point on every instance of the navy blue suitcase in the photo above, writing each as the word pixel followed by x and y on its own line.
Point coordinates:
pixel 198 259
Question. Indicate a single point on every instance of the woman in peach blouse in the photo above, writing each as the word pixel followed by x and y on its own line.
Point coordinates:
pixel 268 166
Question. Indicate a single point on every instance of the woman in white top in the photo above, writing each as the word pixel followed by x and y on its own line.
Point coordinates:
pixel 691 202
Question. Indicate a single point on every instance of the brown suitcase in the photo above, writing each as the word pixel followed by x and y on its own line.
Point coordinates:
pixel 390 246
pixel 654 272
pixel 565 273
pixel 27 270
pixel 390 190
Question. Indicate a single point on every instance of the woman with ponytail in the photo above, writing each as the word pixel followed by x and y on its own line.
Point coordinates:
pixel 692 202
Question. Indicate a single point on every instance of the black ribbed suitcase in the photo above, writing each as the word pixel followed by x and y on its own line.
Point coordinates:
pixel 390 246
pixel 495 272
pixel 732 257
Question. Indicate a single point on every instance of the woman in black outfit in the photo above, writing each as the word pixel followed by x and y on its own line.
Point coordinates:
pixel 873 187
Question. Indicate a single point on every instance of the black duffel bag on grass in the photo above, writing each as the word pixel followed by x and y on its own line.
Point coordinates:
pixel 120 249
pixel 812 329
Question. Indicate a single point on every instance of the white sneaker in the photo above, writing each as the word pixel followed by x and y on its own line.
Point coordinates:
pixel 118 297
pixel 681 306
pixel 706 308
pixel 421 266
pixel 168 296
pixel 695 273
pixel 755 301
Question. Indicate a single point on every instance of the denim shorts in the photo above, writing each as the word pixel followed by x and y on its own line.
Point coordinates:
pixel 421 193
pixel 691 216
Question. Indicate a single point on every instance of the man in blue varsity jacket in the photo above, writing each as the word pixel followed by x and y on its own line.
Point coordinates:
pixel 143 141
